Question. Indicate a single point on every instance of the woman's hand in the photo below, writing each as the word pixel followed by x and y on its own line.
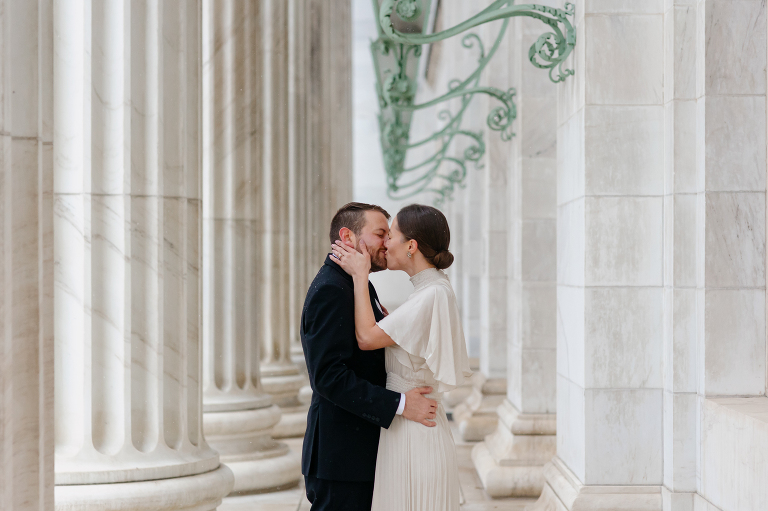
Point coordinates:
pixel 353 262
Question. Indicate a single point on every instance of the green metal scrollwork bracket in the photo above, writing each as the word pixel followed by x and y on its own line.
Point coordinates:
pixel 441 172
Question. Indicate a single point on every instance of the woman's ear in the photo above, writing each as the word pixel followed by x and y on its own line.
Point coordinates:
pixel 413 246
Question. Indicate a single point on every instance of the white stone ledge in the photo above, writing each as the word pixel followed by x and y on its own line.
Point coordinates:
pixel 734 447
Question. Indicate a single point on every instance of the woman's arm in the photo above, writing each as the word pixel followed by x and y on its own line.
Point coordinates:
pixel 358 264
pixel 369 335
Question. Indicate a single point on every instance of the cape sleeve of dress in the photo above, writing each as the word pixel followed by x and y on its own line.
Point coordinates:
pixel 428 326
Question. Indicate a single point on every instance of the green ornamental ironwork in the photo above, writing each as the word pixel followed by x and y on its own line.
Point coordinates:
pixel 396 54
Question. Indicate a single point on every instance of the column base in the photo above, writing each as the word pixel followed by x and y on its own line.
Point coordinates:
pixel 457 396
pixel 284 383
pixel 200 492
pixel 476 416
pixel 564 492
pixel 279 472
pixel 244 441
pixel 297 357
pixel 293 422
pixel 510 462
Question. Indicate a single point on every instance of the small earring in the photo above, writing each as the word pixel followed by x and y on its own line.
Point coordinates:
pixel 409 255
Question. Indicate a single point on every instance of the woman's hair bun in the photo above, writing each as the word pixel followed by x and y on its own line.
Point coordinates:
pixel 443 260
pixel 429 227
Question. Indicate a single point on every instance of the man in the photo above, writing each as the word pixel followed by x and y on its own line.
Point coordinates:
pixel 349 402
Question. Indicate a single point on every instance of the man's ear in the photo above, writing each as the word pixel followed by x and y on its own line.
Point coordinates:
pixel 347 237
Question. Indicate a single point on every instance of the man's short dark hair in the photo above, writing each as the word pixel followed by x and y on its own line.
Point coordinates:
pixel 352 216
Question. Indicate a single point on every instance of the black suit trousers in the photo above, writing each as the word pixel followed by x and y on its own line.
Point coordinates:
pixel 327 495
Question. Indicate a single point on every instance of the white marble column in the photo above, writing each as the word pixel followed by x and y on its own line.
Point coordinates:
pixel 281 377
pixel 239 417
pixel 727 362
pixel 520 200
pixel 483 286
pixel 327 100
pixel 476 416
pixel 127 259
pixel 319 147
pixel 26 252
pixel 610 186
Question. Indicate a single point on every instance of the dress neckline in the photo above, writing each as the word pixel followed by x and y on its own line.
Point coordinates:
pixel 426 277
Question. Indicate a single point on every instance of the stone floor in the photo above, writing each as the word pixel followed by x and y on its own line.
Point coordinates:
pixel 294 499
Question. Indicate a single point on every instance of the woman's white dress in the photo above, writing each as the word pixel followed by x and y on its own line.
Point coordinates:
pixel 416 467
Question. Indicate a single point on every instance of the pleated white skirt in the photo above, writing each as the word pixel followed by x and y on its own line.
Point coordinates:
pixel 416 468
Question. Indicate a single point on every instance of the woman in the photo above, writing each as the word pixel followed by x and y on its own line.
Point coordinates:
pixel 416 467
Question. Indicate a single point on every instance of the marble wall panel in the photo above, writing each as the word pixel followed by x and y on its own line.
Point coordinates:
pixel 624 150
pixel 680 455
pixel 671 501
pixel 701 504
pixel 495 264
pixel 493 303
pixel 680 146
pixel 493 327
pixel 623 436
pixel 734 345
pixel 539 244
pixel 539 315
pixel 735 240
pixel 539 182
pixel 629 72
pixel 623 6
pixel 571 94
pixel 571 425
pixel 680 51
pixel 515 375
pixel 623 337
pixel 571 159
pixel 537 140
pixel 735 47
pixel 538 380
pixel 571 258
pixel 683 240
pixel 570 333
pixel 669 232
pixel 680 361
pixel 731 138
pixel 624 241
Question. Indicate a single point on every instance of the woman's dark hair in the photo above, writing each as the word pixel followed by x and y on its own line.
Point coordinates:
pixel 429 228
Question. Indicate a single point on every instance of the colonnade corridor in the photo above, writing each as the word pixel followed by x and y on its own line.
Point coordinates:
pixel 169 171
pixel 475 497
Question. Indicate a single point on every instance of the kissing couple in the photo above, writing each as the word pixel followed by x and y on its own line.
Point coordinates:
pixel 377 435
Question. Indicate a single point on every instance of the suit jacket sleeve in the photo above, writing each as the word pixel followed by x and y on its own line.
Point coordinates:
pixel 328 340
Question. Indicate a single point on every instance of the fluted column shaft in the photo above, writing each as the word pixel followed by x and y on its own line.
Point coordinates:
pixel 127 215
pixel 299 258
pixel 26 248
pixel 239 416
pixel 282 378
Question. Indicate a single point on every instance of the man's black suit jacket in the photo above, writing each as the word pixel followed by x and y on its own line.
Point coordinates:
pixel 349 401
